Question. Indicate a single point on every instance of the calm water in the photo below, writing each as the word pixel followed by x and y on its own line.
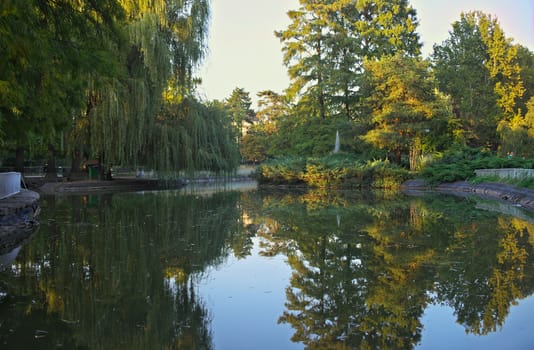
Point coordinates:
pixel 271 270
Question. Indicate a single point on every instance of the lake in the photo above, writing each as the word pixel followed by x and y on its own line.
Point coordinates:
pixel 251 268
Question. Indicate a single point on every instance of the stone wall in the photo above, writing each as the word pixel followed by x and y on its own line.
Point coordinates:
pixel 515 173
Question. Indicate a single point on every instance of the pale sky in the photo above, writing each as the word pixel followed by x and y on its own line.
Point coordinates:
pixel 244 53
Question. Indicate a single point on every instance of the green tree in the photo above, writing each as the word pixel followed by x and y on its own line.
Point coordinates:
pixel 271 106
pixel 405 106
pixel 189 136
pixel 256 145
pixel 165 41
pixel 326 42
pixel 526 62
pixel 460 68
pixel 479 68
pixel 49 48
pixel 93 74
pixel 238 105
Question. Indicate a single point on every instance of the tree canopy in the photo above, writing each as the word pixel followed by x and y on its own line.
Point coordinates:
pixel 106 78
pixel 326 42
pixel 405 107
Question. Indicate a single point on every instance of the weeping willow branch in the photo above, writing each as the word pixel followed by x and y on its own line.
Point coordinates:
pixel 190 136
pixel 126 123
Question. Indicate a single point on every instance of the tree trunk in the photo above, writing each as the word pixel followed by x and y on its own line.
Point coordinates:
pixel 51 166
pixel 398 156
pixel 75 168
pixel 19 159
pixel 415 154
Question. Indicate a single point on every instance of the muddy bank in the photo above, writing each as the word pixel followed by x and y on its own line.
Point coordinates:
pixel 505 193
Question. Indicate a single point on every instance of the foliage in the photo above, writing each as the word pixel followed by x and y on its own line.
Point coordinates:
pixel 326 42
pixel 99 77
pixel 191 136
pixel 479 68
pixel 238 105
pixel 48 50
pixel 460 164
pixel 400 93
pixel 340 170
pixel 300 136
pixel 165 42
pixel 525 59
pixel 281 171
pixel 256 144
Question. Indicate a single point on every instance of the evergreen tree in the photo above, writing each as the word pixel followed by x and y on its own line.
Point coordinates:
pixel 238 105
pixel 405 108
pixel 478 67
pixel 326 42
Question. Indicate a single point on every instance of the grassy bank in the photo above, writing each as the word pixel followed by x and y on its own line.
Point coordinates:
pixel 348 171
pixel 461 166
pixel 334 171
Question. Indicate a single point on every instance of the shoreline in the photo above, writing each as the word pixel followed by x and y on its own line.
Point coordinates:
pixel 520 197
pixel 119 184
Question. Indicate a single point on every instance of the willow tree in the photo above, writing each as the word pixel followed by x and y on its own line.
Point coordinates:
pixel 192 136
pixel 48 48
pixel 164 41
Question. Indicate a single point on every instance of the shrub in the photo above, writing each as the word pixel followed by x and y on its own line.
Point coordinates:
pixel 281 171
pixel 332 171
pixel 460 165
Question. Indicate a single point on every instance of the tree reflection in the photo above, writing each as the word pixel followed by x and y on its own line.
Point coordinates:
pixel 110 272
pixel 121 271
pixel 363 275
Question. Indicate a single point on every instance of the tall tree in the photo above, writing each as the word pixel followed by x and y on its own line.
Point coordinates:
pixel 405 107
pixel 164 42
pixel 460 68
pixel 326 42
pixel 257 143
pixel 49 47
pixel 526 62
pixel 238 105
pixel 478 67
pixel 271 106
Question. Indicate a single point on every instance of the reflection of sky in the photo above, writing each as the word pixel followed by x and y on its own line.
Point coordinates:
pixel 245 298
pixel 442 332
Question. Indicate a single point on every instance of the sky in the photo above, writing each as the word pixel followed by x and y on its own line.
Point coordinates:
pixel 243 51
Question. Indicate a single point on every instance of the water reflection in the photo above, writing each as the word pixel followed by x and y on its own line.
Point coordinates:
pixel 115 272
pixel 124 270
pixel 366 281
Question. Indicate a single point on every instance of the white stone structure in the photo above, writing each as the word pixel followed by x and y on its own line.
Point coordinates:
pixel 9 184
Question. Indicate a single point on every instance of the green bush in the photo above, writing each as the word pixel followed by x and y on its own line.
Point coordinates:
pixel 460 165
pixel 339 171
pixel 281 171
